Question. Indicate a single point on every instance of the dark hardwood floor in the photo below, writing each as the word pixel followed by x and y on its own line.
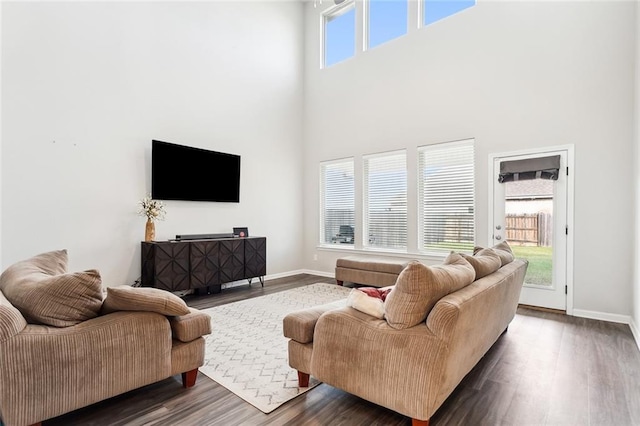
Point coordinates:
pixel 548 369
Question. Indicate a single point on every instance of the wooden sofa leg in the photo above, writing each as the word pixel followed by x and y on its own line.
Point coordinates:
pixel 416 422
pixel 303 379
pixel 189 378
pixel 340 282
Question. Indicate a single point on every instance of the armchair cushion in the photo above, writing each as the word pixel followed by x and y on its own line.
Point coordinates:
pixel 41 290
pixel 146 299
pixel 419 287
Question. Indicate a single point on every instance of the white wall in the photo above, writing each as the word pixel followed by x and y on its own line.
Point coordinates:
pixel 635 318
pixel 513 75
pixel 85 88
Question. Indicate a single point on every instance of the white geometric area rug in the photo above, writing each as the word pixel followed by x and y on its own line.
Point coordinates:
pixel 246 351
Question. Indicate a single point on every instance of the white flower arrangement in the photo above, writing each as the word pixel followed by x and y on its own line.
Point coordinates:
pixel 152 209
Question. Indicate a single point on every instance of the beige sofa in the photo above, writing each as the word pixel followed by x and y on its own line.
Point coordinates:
pixel 437 328
pixel 63 347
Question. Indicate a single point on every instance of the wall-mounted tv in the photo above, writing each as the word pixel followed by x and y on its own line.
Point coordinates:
pixel 192 174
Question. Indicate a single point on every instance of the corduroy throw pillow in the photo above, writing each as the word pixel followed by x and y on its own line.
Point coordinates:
pixel 41 290
pixel 419 287
pixel 127 298
pixel 503 250
pixel 485 262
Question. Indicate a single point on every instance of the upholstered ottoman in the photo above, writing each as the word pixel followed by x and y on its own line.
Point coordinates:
pixel 374 271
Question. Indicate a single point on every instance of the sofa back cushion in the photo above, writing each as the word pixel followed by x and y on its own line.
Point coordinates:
pixel 484 262
pixel 44 293
pixel 419 287
pixel 503 250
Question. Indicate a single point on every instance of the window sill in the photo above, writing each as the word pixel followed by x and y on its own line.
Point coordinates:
pixel 437 257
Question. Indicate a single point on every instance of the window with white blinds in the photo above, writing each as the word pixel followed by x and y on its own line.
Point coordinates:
pixel 337 206
pixel 446 196
pixel 385 200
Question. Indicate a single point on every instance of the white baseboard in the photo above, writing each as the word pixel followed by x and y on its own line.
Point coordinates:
pixel 602 316
pixel 284 274
pixel 635 331
pixel 298 272
pixel 319 273
pixel 278 275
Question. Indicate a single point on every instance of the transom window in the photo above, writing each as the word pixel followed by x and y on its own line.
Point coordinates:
pixel 387 20
pixel 435 10
pixel 379 22
pixel 339 27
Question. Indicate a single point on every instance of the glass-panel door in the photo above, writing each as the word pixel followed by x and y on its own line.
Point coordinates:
pixel 531 216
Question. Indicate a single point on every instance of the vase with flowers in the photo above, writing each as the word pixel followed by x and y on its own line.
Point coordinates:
pixel 154 210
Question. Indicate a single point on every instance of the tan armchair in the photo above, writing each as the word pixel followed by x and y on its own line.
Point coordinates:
pixel 46 371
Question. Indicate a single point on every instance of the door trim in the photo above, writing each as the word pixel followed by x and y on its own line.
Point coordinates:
pixel 570 204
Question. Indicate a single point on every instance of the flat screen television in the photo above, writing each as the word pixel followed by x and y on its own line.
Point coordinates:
pixel 181 172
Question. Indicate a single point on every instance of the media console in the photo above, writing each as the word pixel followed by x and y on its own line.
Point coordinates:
pixel 203 264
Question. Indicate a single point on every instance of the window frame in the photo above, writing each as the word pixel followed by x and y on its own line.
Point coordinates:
pixel 365 203
pixel 322 209
pixel 366 26
pixel 326 17
pixel 420 194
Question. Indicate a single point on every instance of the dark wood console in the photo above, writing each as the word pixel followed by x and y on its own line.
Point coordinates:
pixel 203 264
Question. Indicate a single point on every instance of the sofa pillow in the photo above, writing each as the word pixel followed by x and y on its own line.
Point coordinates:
pixel 503 250
pixel 419 287
pixel 127 298
pixel 362 302
pixel 484 262
pixel 368 300
pixel 44 294
pixel 49 263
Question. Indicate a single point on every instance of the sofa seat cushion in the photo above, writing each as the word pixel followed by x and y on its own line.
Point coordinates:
pixel 41 290
pixel 146 299
pixel 419 287
pixel 186 328
pixel 373 264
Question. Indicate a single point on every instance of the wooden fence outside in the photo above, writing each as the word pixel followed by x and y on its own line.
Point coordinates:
pixel 530 229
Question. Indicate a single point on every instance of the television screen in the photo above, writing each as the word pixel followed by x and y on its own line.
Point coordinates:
pixel 192 174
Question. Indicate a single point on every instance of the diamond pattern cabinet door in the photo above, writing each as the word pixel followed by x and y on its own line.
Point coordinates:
pixel 205 263
pixel 172 266
pixel 231 260
pixel 147 279
pixel 255 257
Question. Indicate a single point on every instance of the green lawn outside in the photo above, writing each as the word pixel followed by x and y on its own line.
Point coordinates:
pixel 539 271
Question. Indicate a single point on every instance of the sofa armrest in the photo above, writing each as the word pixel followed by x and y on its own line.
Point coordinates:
pixel 363 355
pixel 299 325
pixel 11 320
pixel 80 365
pixel 186 328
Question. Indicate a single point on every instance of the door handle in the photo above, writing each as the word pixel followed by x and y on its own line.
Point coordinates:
pixel 498 227
pixel 498 237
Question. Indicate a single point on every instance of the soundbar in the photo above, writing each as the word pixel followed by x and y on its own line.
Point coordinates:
pixel 202 236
